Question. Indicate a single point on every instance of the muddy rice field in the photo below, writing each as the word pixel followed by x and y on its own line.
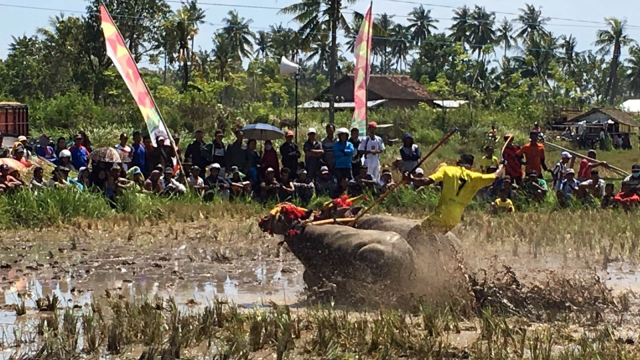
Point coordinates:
pixel 225 290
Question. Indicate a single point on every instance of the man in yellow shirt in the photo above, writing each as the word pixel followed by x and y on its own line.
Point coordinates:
pixel 488 160
pixel 459 186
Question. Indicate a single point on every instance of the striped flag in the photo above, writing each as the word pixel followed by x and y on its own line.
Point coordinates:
pixel 119 53
pixel 363 68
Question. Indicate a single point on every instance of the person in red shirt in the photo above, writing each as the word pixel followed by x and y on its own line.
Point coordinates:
pixel 586 166
pixel 533 153
pixel 514 165
pixel 627 197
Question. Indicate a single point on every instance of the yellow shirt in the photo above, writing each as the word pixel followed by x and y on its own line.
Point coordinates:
pixel 505 205
pixel 459 186
pixel 485 163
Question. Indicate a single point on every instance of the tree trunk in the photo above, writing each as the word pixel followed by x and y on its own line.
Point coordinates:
pixel 185 77
pixel 612 84
pixel 334 57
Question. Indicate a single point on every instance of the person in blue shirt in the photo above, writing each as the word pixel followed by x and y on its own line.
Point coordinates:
pixel 343 150
pixel 45 150
pixel 139 152
pixel 79 153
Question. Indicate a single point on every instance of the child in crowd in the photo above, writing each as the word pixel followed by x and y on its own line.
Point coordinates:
pixel 502 203
pixel 627 198
pixel 488 160
pixel 608 200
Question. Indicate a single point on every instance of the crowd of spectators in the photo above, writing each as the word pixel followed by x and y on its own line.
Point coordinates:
pixel 341 162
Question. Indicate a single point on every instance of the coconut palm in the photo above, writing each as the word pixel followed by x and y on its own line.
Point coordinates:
pixel 283 42
pixel 322 14
pixel 320 50
pixel 568 47
pixel 481 32
pixel 382 41
pixel 505 37
pixel 180 31
pixel 421 24
pixel 263 40
pixel 614 38
pixel 633 70
pixel 351 33
pixel 532 22
pixel 223 55
pixel 460 28
pixel 401 45
pixel 241 38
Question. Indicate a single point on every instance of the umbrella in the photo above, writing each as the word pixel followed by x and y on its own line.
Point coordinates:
pixel 105 154
pixel 12 163
pixel 125 156
pixel 262 132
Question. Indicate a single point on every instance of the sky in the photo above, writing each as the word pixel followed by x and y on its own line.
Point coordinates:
pixel 582 18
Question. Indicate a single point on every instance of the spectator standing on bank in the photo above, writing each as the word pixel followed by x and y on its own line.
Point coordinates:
pixel 328 158
pixel 410 153
pixel 216 151
pixel 488 160
pixel 79 153
pixel 195 151
pixel 290 154
pixel 372 146
pixel 237 155
pixel 313 153
pixel 269 160
pixel 356 158
pixel 122 145
pixel 533 154
pixel 587 165
pixel 342 150
pixel 560 168
pixel 139 152
pixel 45 150
pixel 514 165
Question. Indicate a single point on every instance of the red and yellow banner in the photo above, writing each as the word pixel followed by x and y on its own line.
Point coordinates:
pixel 119 53
pixel 362 53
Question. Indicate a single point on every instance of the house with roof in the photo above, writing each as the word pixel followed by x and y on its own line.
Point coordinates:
pixel 614 120
pixel 390 91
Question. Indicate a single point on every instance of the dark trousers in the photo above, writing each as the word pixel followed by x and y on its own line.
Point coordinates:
pixel 343 173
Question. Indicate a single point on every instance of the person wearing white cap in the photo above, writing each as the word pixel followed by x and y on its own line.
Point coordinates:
pixel 561 167
pixel 218 185
pixel 313 153
pixel 269 186
pixel 343 150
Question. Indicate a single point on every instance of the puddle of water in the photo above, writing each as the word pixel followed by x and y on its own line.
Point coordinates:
pixel 623 277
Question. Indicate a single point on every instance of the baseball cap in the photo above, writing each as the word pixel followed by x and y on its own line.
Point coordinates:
pixel 65 154
pixel 535 173
pixel 569 171
pixel 343 131
pixel 22 138
pixel 137 171
pixel 566 155
pixel 311 131
pixel 234 169
pixel 419 171
pixel 214 166
pixel 19 149
pixel 160 138
pixel 407 136
pixel 302 171
pixel 270 170
pixel 195 167
pixel 168 170
pixel 78 136
pixel 373 124
pixel 386 171
pixel 289 133
pixel 635 168
pixel 324 169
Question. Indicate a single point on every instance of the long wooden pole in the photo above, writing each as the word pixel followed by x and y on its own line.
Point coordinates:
pixel 608 166
pixel 397 185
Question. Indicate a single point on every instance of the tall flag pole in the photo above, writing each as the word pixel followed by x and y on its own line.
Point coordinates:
pixel 121 56
pixel 362 51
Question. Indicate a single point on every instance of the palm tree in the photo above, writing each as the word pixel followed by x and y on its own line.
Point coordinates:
pixel 568 46
pixel 633 70
pixel 263 40
pixel 223 54
pixel 615 38
pixel 322 14
pixel 401 45
pixel 532 22
pixel 320 51
pixel 351 33
pixel 181 30
pixel 381 42
pixel 283 42
pixel 460 28
pixel 240 35
pixel 505 37
pixel 421 24
pixel 481 32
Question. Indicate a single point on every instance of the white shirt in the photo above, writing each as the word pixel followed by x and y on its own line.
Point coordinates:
pixel 194 182
pixel 173 183
pixel 369 144
pixel 125 149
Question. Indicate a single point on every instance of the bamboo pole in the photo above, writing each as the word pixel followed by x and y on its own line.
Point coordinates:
pixel 608 166
pixel 397 185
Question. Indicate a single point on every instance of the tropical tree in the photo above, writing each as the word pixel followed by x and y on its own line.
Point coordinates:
pixel 614 38
pixel 532 22
pixel 321 51
pixel 633 70
pixel 284 42
pixel 241 38
pixel 505 37
pixel 421 24
pixel 351 33
pixel 460 29
pixel 223 55
pixel 481 32
pixel 401 45
pixel 315 15
pixel 182 29
pixel 263 41
pixel 382 41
